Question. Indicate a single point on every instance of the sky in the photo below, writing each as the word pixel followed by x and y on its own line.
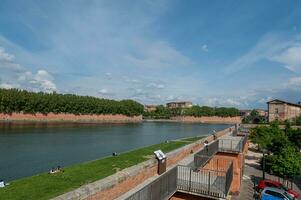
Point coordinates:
pixel 215 53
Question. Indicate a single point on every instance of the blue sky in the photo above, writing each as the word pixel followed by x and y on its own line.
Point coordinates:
pixel 216 53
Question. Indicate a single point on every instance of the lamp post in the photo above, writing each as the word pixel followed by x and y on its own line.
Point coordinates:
pixel 264 151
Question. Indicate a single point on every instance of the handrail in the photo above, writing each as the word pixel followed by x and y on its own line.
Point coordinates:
pixel 202 157
pixel 161 188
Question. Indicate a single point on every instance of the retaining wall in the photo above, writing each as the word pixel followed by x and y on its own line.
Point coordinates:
pixel 204 119
pixel 62 117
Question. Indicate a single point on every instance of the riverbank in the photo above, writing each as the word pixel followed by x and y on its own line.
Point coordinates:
pixel 45 186
pixel 65 117
pixel 203 120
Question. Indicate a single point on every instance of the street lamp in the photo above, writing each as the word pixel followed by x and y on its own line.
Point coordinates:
pixel 264 151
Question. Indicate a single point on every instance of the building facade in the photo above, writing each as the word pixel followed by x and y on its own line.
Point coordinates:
pixel 282 110
pixel 150 108
pixel 180 104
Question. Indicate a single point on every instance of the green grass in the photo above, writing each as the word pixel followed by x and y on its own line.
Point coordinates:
pixel 45 186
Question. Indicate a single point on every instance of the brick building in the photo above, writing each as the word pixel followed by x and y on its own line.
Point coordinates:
pixel 282 110
pixel 180 104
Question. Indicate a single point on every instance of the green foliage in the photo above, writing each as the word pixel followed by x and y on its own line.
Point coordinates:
pixel 46 186
pixel 284 158
pixel 254 118
pixel 161 112
pixel 264 136
pixel 197 111
pixel 296 121
pixel 287 163
pixel 14 100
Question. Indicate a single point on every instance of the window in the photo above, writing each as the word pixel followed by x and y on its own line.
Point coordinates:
pixel 276 110
pixel 275 194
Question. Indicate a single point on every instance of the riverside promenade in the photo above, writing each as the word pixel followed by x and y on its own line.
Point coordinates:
pixel 196 171
pixel 125 180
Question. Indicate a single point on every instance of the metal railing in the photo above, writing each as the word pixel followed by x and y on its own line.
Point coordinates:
pixel 204 155
pixel 232 145
pixel 161 188
pixel 205 182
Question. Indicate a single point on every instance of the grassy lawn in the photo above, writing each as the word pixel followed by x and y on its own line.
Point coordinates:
pixel 45 186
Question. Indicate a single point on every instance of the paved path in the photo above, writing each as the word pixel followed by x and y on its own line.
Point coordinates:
pixel 252 174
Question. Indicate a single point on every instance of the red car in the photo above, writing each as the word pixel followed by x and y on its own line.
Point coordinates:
pixel 269 183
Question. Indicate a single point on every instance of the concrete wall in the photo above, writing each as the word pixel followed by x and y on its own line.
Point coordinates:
pixel 214 119
pixel 125 180
pixel 51 117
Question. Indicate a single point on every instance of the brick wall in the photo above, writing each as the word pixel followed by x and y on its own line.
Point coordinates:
pixel 51 117
pixel 204 119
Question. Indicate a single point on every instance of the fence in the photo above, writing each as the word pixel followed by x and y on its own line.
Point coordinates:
pixel 233 144
pixel 205 182
pixel 202 157
pixel 162 188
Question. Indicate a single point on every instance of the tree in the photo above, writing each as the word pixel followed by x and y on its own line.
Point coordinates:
pixel 14 100
pixel 287 163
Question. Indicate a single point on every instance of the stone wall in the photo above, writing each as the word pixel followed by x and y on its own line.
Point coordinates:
pixel 51 117
pixel 204 119
pixel 125 180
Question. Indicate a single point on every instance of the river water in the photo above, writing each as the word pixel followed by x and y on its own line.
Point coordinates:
pixel 26 150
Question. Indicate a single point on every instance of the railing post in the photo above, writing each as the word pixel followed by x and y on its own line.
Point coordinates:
pixel 189 187
pixel 209 183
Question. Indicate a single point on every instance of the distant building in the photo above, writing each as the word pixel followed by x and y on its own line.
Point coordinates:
pixel 180 104
pixel 282 110
pixel 262 113
pixel 150 108
pixel 245 113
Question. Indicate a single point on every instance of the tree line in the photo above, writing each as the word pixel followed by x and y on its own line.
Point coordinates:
pixel 15 100
pixel 283 147
pixel 163 112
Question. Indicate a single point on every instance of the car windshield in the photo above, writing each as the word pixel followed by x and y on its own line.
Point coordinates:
pixel 288 196
pixel 284 187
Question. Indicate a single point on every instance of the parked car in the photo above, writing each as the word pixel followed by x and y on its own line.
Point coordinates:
pixel 269 183
pixel 272 193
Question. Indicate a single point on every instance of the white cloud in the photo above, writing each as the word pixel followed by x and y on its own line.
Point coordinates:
pixel 41 81
pixel 264 100
pixel 108 76
pixel 6 57
pixel 155 86
pixel 7 86
pixel 205 48
pixel 103 91
pixel 228 102
pixel 291 58
pixel 267 48
pixel 295 81
pixel 156 54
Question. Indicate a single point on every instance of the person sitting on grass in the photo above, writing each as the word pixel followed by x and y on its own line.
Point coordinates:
pixel 58 169
pixel 2 184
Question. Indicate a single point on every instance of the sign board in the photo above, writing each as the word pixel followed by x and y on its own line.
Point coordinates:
pixel 159 154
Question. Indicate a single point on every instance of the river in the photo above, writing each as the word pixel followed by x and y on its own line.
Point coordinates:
pixel 26 150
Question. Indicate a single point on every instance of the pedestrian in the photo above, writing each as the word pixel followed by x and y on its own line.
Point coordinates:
pixel 206 143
